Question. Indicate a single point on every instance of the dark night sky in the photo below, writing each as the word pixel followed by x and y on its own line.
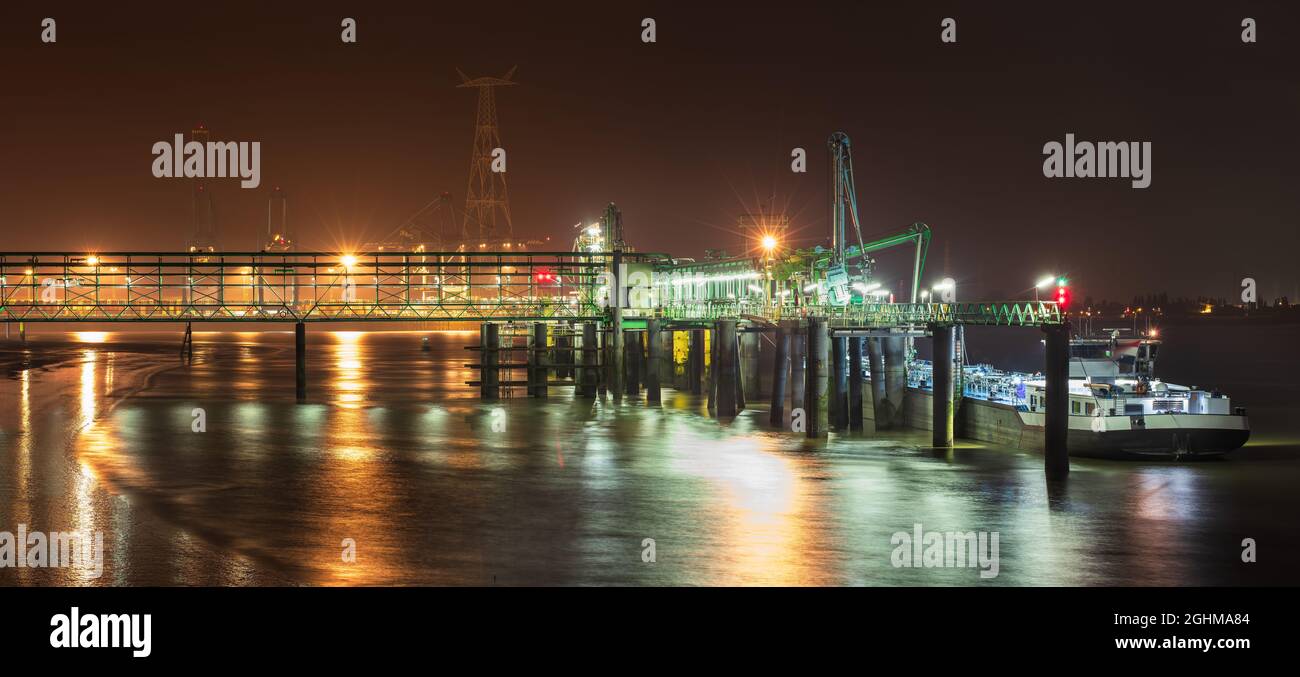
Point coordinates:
pixel 684 132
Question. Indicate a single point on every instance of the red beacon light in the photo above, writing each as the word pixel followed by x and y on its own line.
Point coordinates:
pixel 1062 293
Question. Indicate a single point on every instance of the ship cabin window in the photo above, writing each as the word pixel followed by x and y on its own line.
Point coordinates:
pixel 1091 408
pixel 1074 407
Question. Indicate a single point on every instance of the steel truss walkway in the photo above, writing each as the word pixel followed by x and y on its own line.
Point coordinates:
pixel 299 287
pixel 405 286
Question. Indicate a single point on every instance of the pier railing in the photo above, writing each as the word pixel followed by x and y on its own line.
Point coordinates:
pixel 1028 313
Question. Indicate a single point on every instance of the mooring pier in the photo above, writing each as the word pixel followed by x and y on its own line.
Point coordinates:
pixel 597 322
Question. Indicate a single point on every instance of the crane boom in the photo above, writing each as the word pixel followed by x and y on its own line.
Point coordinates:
pixel 843 209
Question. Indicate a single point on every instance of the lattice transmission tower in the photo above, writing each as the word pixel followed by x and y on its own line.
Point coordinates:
pixel 487 202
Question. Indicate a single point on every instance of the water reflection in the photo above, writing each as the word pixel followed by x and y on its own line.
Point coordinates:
pixel 441 490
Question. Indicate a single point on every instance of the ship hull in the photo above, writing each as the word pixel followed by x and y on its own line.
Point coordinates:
pixel 1183 444
pixel 1149 437
pixel 1152 436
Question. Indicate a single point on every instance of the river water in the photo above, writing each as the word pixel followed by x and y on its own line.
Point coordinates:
pixel 393 459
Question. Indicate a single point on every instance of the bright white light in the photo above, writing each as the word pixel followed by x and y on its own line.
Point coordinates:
pixel 945 285
pixel 812 287
pixel 756 289
pixel 880 292
pixel 769 243
pixel 1046 282
pixel 348 260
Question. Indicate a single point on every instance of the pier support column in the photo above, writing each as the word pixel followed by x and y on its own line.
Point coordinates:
pixel 654 344
pixel 1056 421
pixel 489 356
pixel 300 355
pixel 725 368
pixel 695 362
pixel 780 372
pixel 667 365
pixel 616 312
pixel 876 368
pixel 738 374
pixel 711 373
pixel 538 370
pixel 749 372
pixel 22 332
pixel 563 352
pixel 815 386
pixel 855 383
pixel 606 360
pixel 942 394
pixel 895 348
pixel 838 385
pixel 187 344
pixel 632 355
pixel 798 369
pixel 590 357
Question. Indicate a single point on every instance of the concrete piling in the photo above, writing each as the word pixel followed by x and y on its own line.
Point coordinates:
pixel 563 352
pixel 751 380
pixel 815 386
pixel 838 385
pixel 855 383
pixel 616 315
pixel 632 354
pixel 300 359
pixel 489 357
pixel 780 374
pixel 876 368
pixel 798 369
pixel 590 373
pixel 1056 423
pixel 538 367
pixel 654 345
pixel 725 368
pixel 695 362
pixel 895 349
pixel 942 391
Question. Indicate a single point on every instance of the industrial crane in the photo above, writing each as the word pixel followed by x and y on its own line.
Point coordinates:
pixel 849 267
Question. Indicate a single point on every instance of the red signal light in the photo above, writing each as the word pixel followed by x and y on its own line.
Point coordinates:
pixel 1063 296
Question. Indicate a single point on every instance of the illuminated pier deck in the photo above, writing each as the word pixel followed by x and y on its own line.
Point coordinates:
pixel 419 286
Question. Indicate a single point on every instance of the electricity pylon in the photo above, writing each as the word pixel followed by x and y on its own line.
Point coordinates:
pixel 487 203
